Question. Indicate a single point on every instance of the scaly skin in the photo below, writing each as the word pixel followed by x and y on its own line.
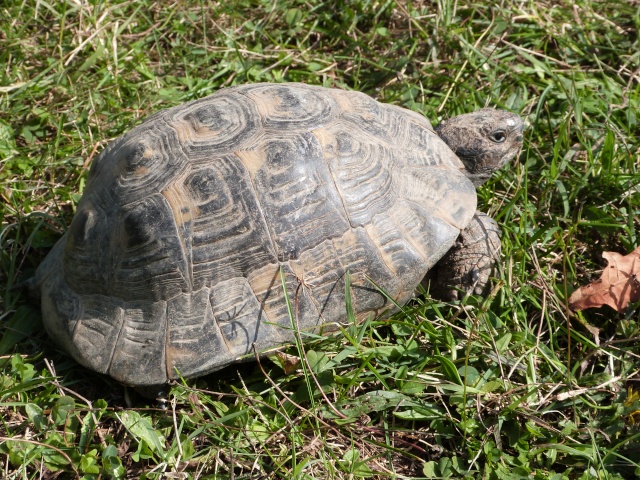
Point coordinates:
pixel 470 263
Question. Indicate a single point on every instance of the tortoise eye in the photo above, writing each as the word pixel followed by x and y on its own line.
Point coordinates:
pixel 498 136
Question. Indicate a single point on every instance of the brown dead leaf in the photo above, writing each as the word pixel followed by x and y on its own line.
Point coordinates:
pixel 619 284
pixel 289 363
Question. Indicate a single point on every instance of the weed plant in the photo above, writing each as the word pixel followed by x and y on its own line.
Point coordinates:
pixel 509 386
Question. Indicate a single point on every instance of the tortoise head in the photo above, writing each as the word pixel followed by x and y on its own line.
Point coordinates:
pixel 485 140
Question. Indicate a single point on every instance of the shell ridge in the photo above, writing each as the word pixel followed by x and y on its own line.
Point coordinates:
pixel 366 232
pixel 176 151
pixel 262 302
pixel 221 334
pixel 274 245
pixel 182 231
pixel 185 155
pixel 435 193
pixel 167 341
pixel 117 342
pixel 409 238
pixel 300 283
pixel 435 211
pixel 335 185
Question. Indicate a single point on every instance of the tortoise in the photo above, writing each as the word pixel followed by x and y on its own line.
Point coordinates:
pixel 233 221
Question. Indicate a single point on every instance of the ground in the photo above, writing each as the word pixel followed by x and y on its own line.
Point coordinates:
pixel 514 385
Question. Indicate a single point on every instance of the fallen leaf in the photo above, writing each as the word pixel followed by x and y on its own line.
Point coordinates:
pixel 617 287
pixel 289 363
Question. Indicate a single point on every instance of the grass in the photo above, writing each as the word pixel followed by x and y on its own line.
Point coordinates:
pixel 511 386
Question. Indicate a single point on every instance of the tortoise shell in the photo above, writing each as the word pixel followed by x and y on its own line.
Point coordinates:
pixel 192 224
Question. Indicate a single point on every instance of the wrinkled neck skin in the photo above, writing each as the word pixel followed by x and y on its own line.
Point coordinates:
pixel 484 141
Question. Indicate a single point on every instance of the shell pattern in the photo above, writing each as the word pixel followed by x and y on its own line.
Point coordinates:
pixel 192 224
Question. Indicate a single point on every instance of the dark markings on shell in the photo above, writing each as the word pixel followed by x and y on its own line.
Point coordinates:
pixel 216 125
pixel 141 342
pixel 150 262
pixel 362 172
pixel 282 108
pixel 193 330
pixel 294 172
pixel 191 223
pixel 148 160
pixel 230 237
pixel 84 270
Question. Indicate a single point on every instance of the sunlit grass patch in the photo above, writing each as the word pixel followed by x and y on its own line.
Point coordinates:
pixel 511 386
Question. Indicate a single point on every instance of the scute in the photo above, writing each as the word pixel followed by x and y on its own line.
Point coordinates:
pixel 138 159
pixel 297 194
pixel 84 271
pixel 193 329
pixel 140 343
pixel 215 125
pixel 202 228
pixel 149 260
pixel 228 234
pixel 363 171
pixel 137 230
pixel 237 312
pixel 282 107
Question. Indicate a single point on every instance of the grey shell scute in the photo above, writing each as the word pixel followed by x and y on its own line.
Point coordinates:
pixel 190 223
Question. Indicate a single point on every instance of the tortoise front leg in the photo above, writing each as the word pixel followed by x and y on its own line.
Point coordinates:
pixel 468 265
